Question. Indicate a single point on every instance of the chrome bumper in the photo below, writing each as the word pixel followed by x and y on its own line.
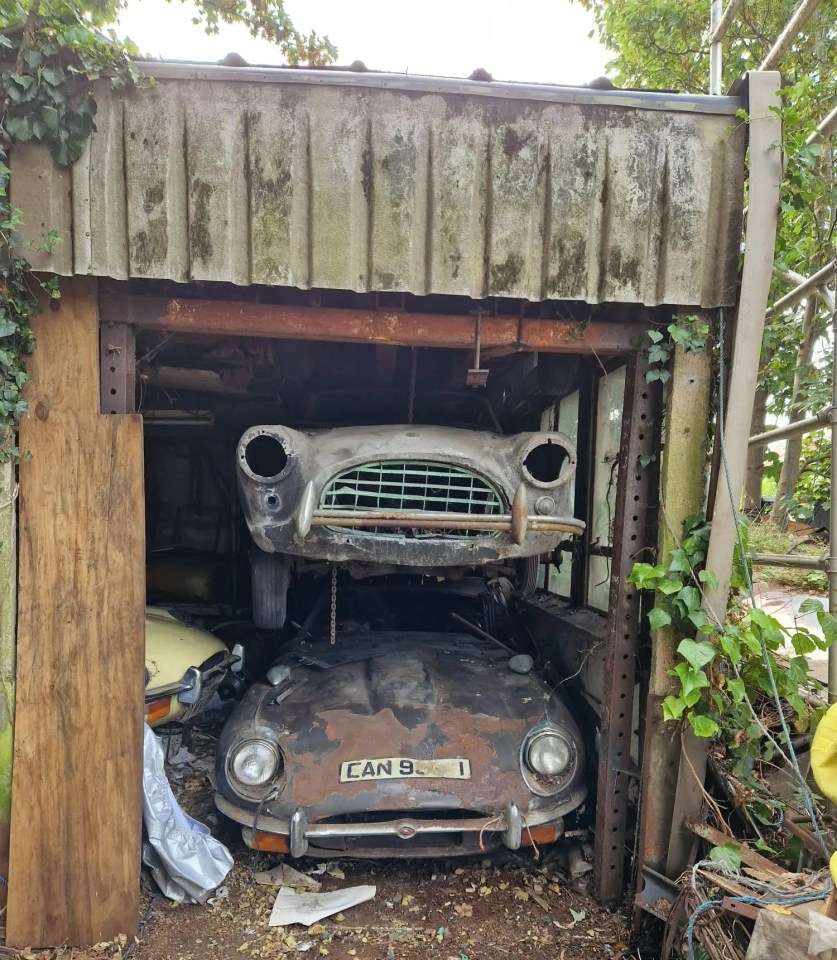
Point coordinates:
pixel 510 824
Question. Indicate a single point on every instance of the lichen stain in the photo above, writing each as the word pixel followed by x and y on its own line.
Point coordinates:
pixel 149 247
pixel 366 173
pixel 270 198
pixel 505 275
pixel 200 233
pixel 153 197
pixel 623 271
pixel 513 142
pixel 569 259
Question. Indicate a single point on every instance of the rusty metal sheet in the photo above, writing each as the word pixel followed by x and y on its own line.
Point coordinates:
pixel 323 179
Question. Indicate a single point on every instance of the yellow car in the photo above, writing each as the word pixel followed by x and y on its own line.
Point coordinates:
pixel 184 666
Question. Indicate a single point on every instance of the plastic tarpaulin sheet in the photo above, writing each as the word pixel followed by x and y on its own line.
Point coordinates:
pixel 186 861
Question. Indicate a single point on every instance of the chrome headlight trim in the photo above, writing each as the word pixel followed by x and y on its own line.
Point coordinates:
pixel 546 785
pixel 258 749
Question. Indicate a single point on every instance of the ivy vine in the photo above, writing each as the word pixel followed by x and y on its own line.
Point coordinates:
pixel 50 55
pixel 723 673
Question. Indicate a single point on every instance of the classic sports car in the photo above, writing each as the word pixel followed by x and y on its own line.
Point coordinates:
pixel 399 744
pixel 184 666
pixel 424 498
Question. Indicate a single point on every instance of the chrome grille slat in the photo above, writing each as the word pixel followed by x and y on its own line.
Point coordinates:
pixel 416 487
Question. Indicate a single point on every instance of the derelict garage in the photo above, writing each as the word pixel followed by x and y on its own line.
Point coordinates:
pixel 325 250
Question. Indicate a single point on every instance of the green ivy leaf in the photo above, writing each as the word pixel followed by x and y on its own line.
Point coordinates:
pixel 673 708
pixel 703 726
pixel 691 680
pixel 697 653
pixel 736 688
pixel 811 605
pixel 658 618
pixel 709 578
pixel 828 622
pixel 728 855
pixel 668 587
pixel 803 642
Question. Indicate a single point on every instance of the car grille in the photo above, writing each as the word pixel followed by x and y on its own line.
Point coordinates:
pixel 413 486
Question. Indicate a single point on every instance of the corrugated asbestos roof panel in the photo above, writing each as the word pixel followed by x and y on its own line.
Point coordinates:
pixel 457 189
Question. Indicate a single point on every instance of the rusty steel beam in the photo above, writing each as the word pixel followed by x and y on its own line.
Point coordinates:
pixel 392 327
pixel 630 540
pixel 117 368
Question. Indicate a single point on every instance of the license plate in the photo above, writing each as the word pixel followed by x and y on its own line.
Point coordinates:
pixel 396 768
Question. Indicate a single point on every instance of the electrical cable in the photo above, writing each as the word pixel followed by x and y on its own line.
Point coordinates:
pixel 709 904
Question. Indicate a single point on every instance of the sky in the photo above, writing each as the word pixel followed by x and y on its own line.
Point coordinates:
pixel 541 41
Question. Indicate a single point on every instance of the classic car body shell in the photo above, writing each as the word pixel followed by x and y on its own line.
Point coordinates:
pixel 184 666
pixel 495 507
pixel 425 697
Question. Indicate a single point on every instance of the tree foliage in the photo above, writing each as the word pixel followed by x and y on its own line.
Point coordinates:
pixel 51 52
pixel 664 44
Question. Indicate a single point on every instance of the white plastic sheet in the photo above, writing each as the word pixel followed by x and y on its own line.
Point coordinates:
pixel 187 863
pixel 307 908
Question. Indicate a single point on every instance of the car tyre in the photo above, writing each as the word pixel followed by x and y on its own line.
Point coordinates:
pixel 270 575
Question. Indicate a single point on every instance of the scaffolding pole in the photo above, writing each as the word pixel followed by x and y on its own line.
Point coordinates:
pixel 825 130
pixel 796 429
pixel 789 34
pixel 803 290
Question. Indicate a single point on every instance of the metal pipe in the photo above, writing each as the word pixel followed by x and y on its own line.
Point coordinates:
pixel 807 287
pixel 720 31
pixel 826 129
pixel 832 524
pixel 796 429
pixel 791 276
pixel 789 561
pixel 789 34
pixel 716 51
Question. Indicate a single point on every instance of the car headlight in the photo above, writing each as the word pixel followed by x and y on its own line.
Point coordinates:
pixel 549 754
pixel 253 763
pixel 549 759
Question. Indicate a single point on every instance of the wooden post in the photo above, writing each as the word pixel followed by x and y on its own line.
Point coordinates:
pixel 8 605
pixel 76 811
pixel 682 485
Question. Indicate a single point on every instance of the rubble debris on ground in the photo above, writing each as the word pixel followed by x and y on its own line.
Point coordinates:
pixel 721 901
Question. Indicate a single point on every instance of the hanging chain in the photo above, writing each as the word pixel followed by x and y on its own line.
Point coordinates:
pixel 333 623
pixel 412 399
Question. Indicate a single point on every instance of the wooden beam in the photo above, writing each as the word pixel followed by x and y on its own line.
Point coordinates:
pixel 392 327
pixel 76 804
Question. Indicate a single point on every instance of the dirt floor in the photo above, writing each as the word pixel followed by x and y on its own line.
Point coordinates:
pixel 476 909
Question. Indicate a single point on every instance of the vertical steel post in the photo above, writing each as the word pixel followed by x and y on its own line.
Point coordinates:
pixel 117 368
pixel 716 51
pixel 633 491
